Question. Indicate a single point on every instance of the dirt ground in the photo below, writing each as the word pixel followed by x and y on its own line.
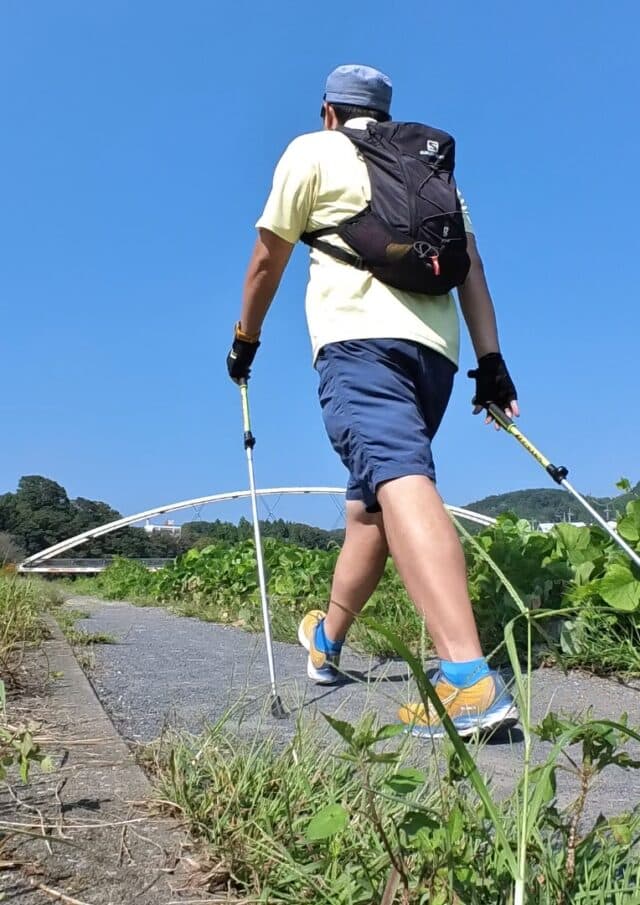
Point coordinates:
pixel 86 833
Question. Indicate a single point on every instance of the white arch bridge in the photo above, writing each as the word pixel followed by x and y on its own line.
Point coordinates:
pixel 48 560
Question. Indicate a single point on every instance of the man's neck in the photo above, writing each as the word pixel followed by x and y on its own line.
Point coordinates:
pixel 359 122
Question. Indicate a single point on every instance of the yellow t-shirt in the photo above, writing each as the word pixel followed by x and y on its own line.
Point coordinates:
pixel 320 180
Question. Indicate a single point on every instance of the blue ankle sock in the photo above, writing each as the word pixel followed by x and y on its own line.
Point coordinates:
pixel 462 675
pixel 323 643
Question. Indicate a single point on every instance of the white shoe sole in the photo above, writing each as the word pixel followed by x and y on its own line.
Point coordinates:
pixel 326 676
pixel 502 718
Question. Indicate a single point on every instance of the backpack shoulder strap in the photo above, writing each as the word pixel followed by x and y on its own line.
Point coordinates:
pixel 314 238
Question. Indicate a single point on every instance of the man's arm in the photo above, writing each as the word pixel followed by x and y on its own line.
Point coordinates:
pixel 480 318
pixel 268 261
pixel 476 305
pixel 283 221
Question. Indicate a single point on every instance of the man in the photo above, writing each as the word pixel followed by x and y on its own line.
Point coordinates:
pixel 386 360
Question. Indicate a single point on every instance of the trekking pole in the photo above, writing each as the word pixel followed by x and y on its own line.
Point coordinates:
pixel 559 474
pixel 277 708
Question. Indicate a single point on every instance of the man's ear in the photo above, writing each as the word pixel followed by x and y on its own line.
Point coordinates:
pixel 330 117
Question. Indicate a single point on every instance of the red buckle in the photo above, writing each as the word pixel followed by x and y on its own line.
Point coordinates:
pixel 435 264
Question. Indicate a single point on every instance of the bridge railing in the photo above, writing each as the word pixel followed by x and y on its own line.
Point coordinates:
pixel 41 561
pixel 85 566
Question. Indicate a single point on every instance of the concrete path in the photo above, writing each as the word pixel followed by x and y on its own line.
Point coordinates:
pixel 167 669
pixel 84 832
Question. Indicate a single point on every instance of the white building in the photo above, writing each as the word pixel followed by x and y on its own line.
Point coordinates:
pixel 169 527
pixel 547 526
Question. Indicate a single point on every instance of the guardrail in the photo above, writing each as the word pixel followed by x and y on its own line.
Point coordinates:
pixel 84 566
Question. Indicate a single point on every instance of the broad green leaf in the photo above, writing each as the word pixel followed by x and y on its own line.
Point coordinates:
pixel 389 731
pixel 583 572
pixel 327 822
pixel 629 524
pixel 563 737
pixel 621 830
pixel 26 745
pixel 543 782
pixel 364 736
pixel 390 757
pixel 628 529
pixel 416 822
pixel 406 780
pixel 575 541
pixel 350 758
pixel 345 730
pixel 464 873
pixel 620 589
pixel 572 636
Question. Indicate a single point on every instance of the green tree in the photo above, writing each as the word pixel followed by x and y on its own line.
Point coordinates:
pixel 10 551
pixel 42 513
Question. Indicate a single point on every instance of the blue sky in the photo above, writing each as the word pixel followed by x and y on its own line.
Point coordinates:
pixel 138 145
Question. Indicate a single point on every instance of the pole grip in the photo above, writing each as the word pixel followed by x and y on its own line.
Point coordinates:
pixel 557 472
pixel 249 439
pixel 498 415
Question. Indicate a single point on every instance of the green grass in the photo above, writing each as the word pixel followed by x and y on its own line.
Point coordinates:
pixel 81 638
pixel 609 644
pixel 78 586
pixel 68 618
pixel 251 802
pixel 316 823
pixel 23 603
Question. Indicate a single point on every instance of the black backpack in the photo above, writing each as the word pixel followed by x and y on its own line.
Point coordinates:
pixel 411 235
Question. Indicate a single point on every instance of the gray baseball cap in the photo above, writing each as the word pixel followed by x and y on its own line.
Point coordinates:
pixel 360 86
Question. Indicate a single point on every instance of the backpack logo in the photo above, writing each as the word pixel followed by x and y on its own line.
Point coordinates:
pixel 432 147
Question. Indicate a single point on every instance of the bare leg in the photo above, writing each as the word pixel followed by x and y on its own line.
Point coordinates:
pixel 358 570
pixel 429 558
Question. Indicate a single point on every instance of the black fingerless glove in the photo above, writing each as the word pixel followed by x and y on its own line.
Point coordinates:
pixel 493 382
pixel 240 358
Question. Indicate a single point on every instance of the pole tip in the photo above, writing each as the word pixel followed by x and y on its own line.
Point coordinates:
pixel 277 709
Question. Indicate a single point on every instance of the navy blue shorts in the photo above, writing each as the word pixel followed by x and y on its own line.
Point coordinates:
pixel 382 403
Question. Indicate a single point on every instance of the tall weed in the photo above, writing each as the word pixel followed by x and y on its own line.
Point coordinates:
pixel 360 824
pixel 22 604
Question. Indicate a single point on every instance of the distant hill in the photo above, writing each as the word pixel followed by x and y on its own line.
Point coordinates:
pixel 545 504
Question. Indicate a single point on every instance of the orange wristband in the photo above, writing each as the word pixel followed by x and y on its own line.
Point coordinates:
pixel 245 337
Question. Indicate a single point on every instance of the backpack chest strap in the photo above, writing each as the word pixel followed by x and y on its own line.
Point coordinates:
pixel 314 240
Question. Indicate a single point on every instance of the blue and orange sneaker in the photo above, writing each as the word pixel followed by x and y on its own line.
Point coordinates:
pixel 322 665
pixel 485 705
